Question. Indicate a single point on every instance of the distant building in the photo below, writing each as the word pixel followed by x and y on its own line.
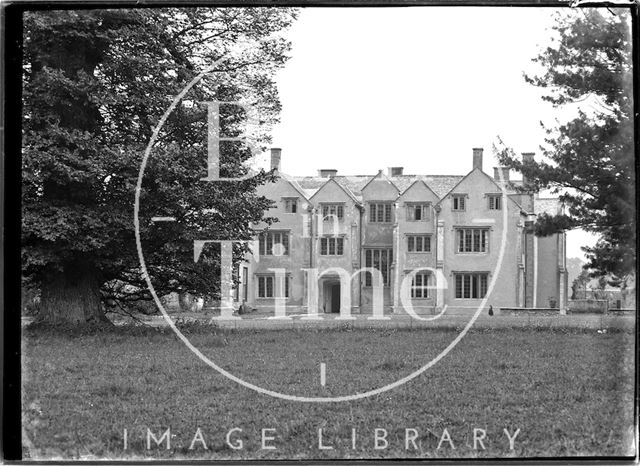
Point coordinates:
pixel 397 223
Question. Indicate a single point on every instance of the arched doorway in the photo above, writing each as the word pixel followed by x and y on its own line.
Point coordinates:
pixel 331 296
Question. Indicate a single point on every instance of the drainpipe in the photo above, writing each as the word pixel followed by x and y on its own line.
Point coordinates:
pixel 360 233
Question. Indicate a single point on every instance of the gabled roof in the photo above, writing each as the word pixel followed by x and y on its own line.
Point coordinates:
pixel 417 182
pixel 346 190
pixel 295 185
pixel 508 188
pixel 383 177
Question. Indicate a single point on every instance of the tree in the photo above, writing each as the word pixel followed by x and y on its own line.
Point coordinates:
pixel 96 83
pixel 589 159
pixel 579 285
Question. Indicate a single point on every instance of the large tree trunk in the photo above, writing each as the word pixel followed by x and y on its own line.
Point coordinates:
pixel 72 296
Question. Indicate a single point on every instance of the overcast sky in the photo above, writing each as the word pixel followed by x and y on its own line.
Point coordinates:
pixel 418 87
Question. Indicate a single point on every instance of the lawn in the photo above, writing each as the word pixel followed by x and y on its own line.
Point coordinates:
pixel 569 392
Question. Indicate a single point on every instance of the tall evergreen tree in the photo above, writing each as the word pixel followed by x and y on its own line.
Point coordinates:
pixel 95 84
pixel 589 160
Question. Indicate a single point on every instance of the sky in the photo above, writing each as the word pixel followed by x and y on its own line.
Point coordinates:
pixel 418 87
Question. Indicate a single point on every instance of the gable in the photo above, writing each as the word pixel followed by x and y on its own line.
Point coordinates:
pixel 419 192
pixel 331 191
pixel 281 188
pixel 380 188
pixel 477 181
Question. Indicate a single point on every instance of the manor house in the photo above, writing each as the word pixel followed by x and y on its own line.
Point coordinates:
pixel 410 228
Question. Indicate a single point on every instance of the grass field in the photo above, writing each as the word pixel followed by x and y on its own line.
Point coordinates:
pixel 569 392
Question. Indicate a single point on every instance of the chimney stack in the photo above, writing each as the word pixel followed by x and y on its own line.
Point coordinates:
pixel 327 172
pixel 497 171
pixel 477 158
pixel 276 154
pixel 527 157
pixel 394 171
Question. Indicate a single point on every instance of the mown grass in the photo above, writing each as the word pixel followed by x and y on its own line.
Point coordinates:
pixel 569 393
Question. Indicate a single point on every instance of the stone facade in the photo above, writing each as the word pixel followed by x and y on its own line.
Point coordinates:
pixel 464 233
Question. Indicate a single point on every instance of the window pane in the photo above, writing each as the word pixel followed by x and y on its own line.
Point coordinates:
pixel 461 203
pixel 474 286
pixel 467 240
pixel 458 286
pixel 332 246
pixel 476 240
pixel 485 236
pixel 419 243
pixel 411 246
pixel 460 240
pixel 286 286
pixel 340 211
pixel 262 244
pixel 269 250
pixel 387 213
pixel 483 285
pixel 285 243
pixel 340 247
pixel 261 287
pixel 323 246
pixel 372 213
pixel 384 266
pixel 467 286
pixel 427 243
pixel 417 212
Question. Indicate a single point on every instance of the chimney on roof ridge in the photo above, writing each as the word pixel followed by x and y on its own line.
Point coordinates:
pixel 394 171
pixel 327 172
pixel 498 171
pixel 276 155
pixel 477 158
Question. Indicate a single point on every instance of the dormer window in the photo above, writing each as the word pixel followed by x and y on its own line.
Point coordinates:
pixel 291 205
pixel 458 202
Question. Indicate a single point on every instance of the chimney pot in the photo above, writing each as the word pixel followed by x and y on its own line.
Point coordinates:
pixel 327 172
pixel 477 158
pixel 394 171
pixel 503 170
pixel 276 155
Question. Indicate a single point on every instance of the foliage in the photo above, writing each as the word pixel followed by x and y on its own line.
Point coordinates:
pixel 96 83
pixel 589 159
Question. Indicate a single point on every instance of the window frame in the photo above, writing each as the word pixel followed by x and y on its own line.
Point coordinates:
pixel 325 209
pixel 267 239
pixel 381 212
pixel 465 240
pixel 425 211
pixel 262 281
pixel 423 289
pixel 331 243
pixel 370 260
pixel 290 205
pixel 494 200
pixel 458 198
pixel 465 283
pixel 412 240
